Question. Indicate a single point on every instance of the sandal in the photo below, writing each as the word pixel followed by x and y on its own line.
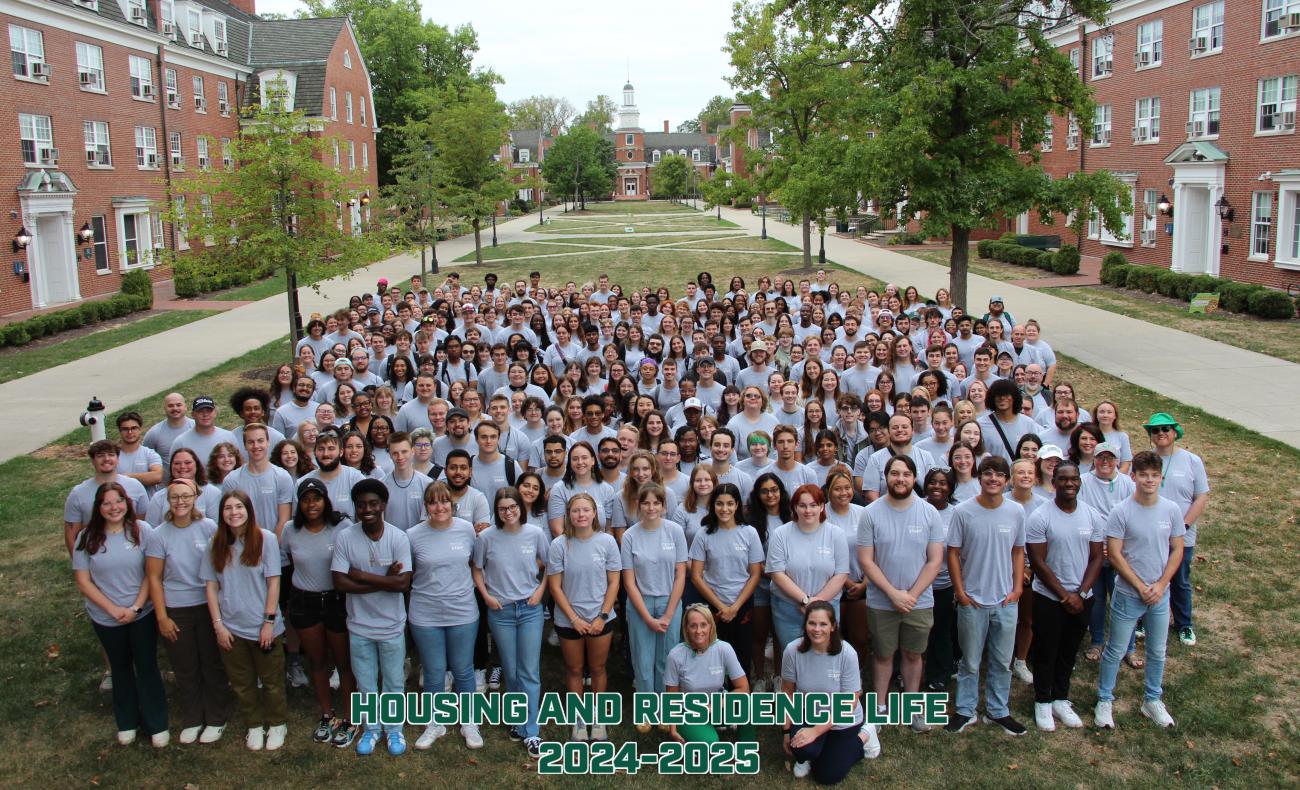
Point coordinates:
pixel 1135 661
pixel 1093 653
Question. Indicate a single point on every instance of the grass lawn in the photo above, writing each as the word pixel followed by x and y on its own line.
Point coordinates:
pixel 985 267
pixel 1279 339
pixel 253 292
pixel 631 207
pixel 517 250
pixel 643 225
pixel 26 361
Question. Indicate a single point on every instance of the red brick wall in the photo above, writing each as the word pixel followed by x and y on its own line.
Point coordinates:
pixel 353 80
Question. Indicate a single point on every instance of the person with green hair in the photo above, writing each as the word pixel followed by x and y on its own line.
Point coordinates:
pixel 703 663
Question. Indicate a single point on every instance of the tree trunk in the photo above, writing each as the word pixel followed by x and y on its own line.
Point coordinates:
pixel 807 241
pixel 478 242
pixel 957 265
pixel 291 290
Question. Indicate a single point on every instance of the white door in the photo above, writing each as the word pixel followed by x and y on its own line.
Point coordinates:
pixel 1196 224
pixel 629 187
pixel 55 261
pixel 1022 224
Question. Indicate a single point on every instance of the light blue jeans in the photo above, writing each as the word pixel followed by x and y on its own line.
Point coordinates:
pixel 376 661
pixel 517 630
pixel 978 628
pixel 787 620
pixel 650 648
pixel 446 647
pixel 1125 611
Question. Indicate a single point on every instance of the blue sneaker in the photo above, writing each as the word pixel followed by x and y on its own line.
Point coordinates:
pixel 396 743
pixel 366 743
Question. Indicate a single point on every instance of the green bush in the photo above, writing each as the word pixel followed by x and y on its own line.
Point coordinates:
pixel 1167 282
pixel 1197 284
pixel 1235 297
pixel 1267 303
pixel 138 282
pixel 85 314
pixel 1141 278
pixel 1046 261
pixel 16 335
pixel 984 248
pixel 1008 237
pixel 1067 260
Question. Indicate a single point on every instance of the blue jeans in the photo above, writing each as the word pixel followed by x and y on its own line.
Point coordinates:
pixel 787 620
pixel 979 627
pixel 1102 590
pixel 517 630
pixel 650 648
pixel 447 647
pixel 1180 590
pixel 1125 611
pixel 373 659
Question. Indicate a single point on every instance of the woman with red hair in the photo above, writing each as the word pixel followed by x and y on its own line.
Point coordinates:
pixel 807 560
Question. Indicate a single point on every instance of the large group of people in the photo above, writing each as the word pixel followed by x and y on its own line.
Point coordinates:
pixel 771 487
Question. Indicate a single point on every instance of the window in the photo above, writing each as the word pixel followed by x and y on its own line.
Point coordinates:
pixel 219 35
pixel 146 147
pixel 1261 224
pixel 1150 44
pixel 174 147
pixel 524 153
pixel 336 153
pixel 1103 56
pixel 654 157
pixel 227 158
pixel 629 139
pixel 101 244
pixel 347 106
pixel 200 100
pixel 695 155
pixel 141 78
pixel 1094 225
pixel 1072 133
pixel 1280 17
pixel 204 162
pixel 365 156
pixel 194 27
pixel 223 98
pixel 363 110
pixel 334 105
pixel 1076 57
pixel 136 13
pixel 1047 134
pixel 168 11
pixel 1277 100
pixel 37 138
pixel 352 156
pixel 1146 120
pixel 1101 125
pixel 347 59
pixel 27 51
pixel 1203 113
pixel 205 206
pixel 173 93
pixel 137 239
pixel 98 152
pixel 1125 237
pixel 90 67
pixel 1207 29
pixel 180 227
pixel 1295 230
pixel 277 89
pixel 1149 200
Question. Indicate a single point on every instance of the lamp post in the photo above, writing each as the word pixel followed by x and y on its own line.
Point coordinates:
pixel 764 214
pixel 432 226
pixel 494 226
pixel 821 249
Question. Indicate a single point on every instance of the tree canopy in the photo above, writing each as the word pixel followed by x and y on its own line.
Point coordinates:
pixel 716 113
pixel 580 163
pixel 541 112
pixel 599 113
pixel 671 177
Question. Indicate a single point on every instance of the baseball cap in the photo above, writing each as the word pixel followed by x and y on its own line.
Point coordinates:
pixel 692 403
pixel 313 484
pixel 705 361
pixel 383 281
pixel 343 363
pixel 1051 451
pixel 372 310
pixel 457 412
pixel 993 299
pixel 1106 447
pixel 203 402
pixel 758 345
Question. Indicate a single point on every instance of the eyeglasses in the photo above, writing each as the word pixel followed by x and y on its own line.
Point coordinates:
pixel 1160 429
pixel 180 497
pixel 507 507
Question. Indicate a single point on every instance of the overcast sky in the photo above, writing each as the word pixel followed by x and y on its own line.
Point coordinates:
pixel 672 49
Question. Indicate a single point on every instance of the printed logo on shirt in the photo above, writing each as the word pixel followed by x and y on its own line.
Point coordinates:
pixel 668 546
pixel 200 545
pixel 1164 526
pixel 457 547
pixel 825 550
pixel 525 550
pixel 1005 529
pixel 833 674
pixel 716 669
pixel 915 529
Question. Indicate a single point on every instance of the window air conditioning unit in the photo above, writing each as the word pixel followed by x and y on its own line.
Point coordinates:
pixel 173 99
pixel 86 78
pixel 1148 237
pixel 221 48
pixel 151 160
pixel 1072 141
pixel 40 70
pixel 87 3
pixel 1291 21
pixel 1142 57
pixel 196 39
pixel 1195 128
pixel 49 156
pixel 146 91
pixel 1199 44
pixel 203 163
pixel 138 15
pixel 1139 133
pixel 200 104
pixel 1288 119
pixel 169 29
pixel 223 106
pixel 1105 137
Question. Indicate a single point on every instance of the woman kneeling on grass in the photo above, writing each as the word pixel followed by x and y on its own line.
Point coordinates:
pixel 702 663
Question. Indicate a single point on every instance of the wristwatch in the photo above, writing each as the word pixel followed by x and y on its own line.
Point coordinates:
pixel 138 609
pixel 806 600
pixel 270 618
pixel 604 616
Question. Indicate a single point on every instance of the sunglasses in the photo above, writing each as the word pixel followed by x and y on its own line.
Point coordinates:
pixel 1160 429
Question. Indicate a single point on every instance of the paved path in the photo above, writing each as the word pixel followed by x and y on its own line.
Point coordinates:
pixel 1199 372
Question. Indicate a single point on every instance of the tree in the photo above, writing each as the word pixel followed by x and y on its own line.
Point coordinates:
pixel 716 113
pixel 671 176
pixel 958 94
pixel 599 114
pixel 821 179
pixel 541 112
pixel 414 202
pixel 467 126
pixel 281 209
pixel 720 190
pixel 580 162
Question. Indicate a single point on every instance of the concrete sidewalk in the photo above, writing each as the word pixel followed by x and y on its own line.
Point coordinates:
pixel 1209 375
pixel 42 407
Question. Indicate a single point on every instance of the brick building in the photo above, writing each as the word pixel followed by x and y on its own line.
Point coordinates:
pixel 109 99
pixel 1196 113
pixel 636 151
pixel 525 152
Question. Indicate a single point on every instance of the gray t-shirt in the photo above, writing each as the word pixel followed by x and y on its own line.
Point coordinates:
pixel 379 615
pixel 269 490
pixel 511 562
pixel 794 478
pixel 810 559
pixel 943 581
pixel 1104 495
pixel 80 504
pixel 584 564
pixel 561 493
pixel 848 524
pixel 202 445
pixel 1067 536
pixel 311 554
pixel 182 550
pixel 273 437
pixel 138 462
pixel 741 426
pixel 1183 482
pixel 813 671
pixel 442 589
pixel 160 436
pixel 472 507
pixel 117 569
pixel 490 476
pixel 1146 532
pixel 873 474
pixel 339 488
pixel 443 445
pixel 243 588
pixel 859 382
pixel 621 518
pixel 899 540
pixel 653 556
pixel 289 416
pixel 208 503
pixel 704 672
pixel 1018 427
pixel 406 500
pixel 986 537
pixel 412 415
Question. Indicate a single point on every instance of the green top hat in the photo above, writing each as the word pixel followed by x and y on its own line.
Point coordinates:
pixel 1160 418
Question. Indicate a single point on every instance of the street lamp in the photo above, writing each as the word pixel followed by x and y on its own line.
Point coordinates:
pixel 494 226
pixel 764 215
pixel 821 249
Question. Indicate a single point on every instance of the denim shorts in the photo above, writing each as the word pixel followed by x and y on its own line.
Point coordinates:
pixel 763 594
pixel 310 609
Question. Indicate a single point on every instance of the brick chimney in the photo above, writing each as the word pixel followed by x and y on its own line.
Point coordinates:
pixel 555 131
pixel 665 127
pixel 247 6
pixel 704 127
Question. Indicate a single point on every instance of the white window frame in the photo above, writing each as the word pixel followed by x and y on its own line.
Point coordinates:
pixel 180 226
pixel 204 160
pixel 1072 134
pixel 365 156
pixel 1076 58
pixel 524 155
pixel 1208 114
pixel 347 59
pixel 1207 24
pixel 35 134
pixel 1274 11
pixel 1261 225
pixel 337 157
pixel 142 222
pixel 28 43
pixel 90 60
pixel 347 106
pixel 352 156
pixel 223 98
pixel 194 27
pixel 1150 43
pixel 1103 56
pixel 146 145
pixel 1149 213
pixel 1276 98
pixel 363 111
pixel 1146 120
pixel 200 94
pixel 655 156
pixel 167 8
pixel 171 88
pixel 695 155
pixel 227 155
pixel 1104 235
pixel 131 5
pixel 1048 135
pixel 176 149
pixel 220 42
pixel 141 78
pixel 334 105
pixel 629 139
pixel 1101 125
pixel 97 143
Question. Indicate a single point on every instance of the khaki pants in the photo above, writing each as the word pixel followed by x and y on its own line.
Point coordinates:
pixel 246 663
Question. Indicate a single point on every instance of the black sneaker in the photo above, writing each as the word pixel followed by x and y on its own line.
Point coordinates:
pixel 324 730
pixel 344 734
pixel 534 747
pixel 515 735
pixel 1009 725
pixel 937 686
pixel 957 722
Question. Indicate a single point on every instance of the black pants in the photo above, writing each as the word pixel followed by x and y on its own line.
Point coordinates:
pixel 139 701
pixel 482 649
pixel 941 650
pixel 832 755
pixel 739 633
pixel 1057 635
pixel 202 691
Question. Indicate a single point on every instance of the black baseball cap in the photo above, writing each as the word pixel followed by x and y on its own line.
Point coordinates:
pixel 203 402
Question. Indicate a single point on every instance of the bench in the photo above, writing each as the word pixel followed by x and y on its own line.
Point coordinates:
pixel 1039 242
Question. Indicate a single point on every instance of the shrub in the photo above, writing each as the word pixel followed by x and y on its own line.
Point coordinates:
pixel 1235 297
pixel 984 248
pixel 1067 260
pixel 1046 261
pixel 16 335
pixel 138 282
pixel 1197 284
pixel 1141 278
pixel 1167 282
pixel 1008 237
pixel 1267 303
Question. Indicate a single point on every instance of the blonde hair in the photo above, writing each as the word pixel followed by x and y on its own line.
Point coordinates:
pixel 704 611
pixel 195 513
pixel 568 508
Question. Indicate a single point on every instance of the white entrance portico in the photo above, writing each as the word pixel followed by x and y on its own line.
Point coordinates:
pixel 1198 186
pixel 46 198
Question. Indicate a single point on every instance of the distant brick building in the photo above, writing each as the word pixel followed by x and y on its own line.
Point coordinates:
pixel 636 151
pixel 112 98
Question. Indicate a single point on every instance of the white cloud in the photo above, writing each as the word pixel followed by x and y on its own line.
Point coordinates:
pixel 672 50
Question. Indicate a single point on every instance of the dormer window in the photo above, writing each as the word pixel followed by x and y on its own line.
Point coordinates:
pixel 277 90
pixel 654 157
pixel 523 154
pixel 219 41
pixel 194 27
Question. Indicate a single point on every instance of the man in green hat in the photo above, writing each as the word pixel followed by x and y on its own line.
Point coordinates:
pixel 1184 482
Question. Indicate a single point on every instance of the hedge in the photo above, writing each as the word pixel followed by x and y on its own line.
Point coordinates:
pixel 1063 261
pixel 190 282
pixel 1234 297
pixel 23 332
pixel 907 237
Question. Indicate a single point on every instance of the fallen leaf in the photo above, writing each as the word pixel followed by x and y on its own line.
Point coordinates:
pixel 1236 761
pixel 472 761
pixel 52 652
pixel 94 780
pixel 1191 744
pixel 1013 767
pixel 41 703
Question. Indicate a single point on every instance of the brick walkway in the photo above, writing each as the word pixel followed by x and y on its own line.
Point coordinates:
pixel 1089 274
pixel 164 298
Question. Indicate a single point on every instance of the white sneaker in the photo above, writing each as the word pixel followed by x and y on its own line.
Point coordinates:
pixel 918 723
pixel 480 680
pixel 494 679
pixel 106 683
pixel 1063 710
pixel 552 638
pixel 160 739
pixel 1155 711
pixel 767 650
pixel 473 738
pixel 599 732
pixel 297 676
pixel 431 733
pixel 255 739
pixel 760 686
pixel 334 679
pixel 448 681
pixel 191 734
pixel 871 746
pixel 1043 716
pixel 1103 716
pixel 1021 670
pixel 801 770
pixel 275 736
pixel 212 734
pixel 579 733
pixel 126 737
